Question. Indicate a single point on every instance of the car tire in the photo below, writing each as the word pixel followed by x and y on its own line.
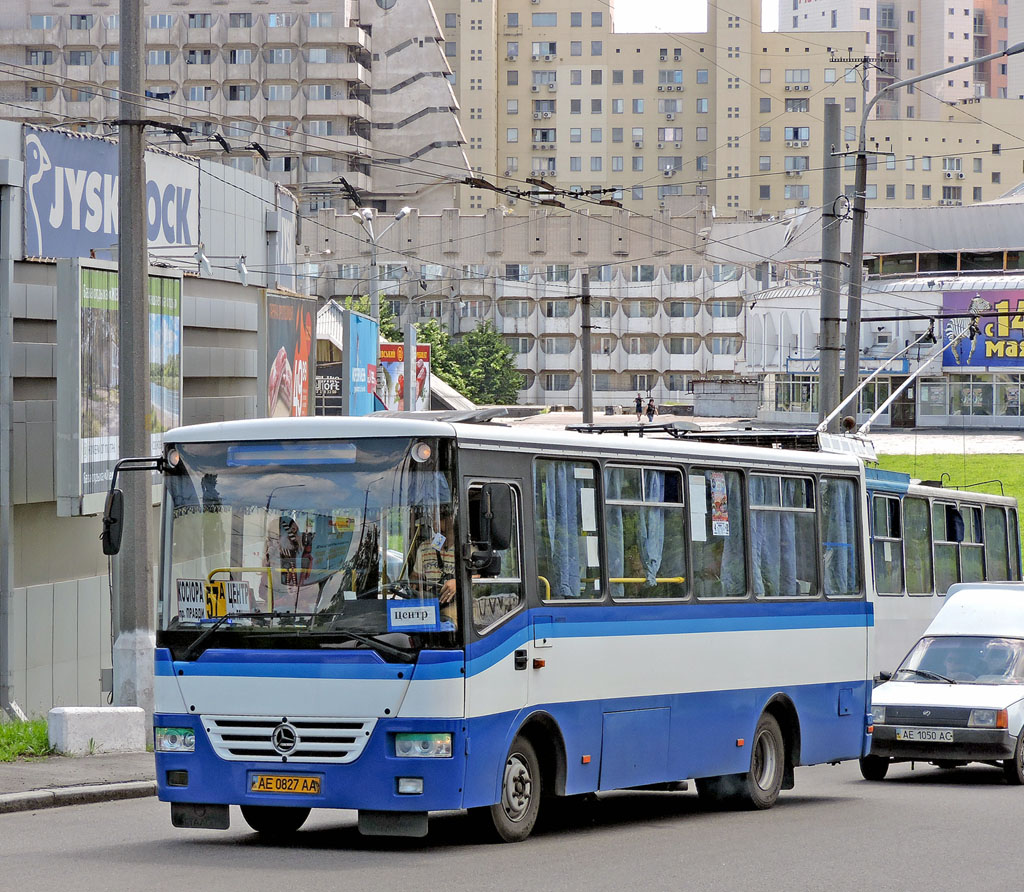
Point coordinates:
pixel 759 786
pixel 513 816
pixel 874 768
pixel 274 820
pixel 1013 769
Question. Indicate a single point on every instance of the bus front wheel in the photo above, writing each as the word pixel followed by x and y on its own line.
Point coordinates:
pixel 513 816
pixel 272 820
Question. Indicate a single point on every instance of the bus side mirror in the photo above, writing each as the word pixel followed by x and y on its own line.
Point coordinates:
pixel 491 527
pixel 113 517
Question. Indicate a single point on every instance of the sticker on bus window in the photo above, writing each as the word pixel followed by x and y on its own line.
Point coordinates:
pixel 588 513
pixel 191 599
pixel 583 472
pixel 414 616
pixel 698 509
pixel 719 505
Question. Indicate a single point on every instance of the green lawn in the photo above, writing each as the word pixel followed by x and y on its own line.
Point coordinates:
pixel 964 470
pixel 23 739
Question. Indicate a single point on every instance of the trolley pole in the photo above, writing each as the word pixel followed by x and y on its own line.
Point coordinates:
pixel 133 646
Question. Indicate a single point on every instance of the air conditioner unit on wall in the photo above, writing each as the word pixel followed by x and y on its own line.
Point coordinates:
pixel 670 117
pixel 552 88
pixel 547 114
pixel 949 175
pixel 535 89
pixel 536 116
pixel 638 144
pixel 661 89
pixel 960 176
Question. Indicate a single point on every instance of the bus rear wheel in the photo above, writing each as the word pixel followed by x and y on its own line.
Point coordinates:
pixel 758 787
pixel 274 820
pixel 513 816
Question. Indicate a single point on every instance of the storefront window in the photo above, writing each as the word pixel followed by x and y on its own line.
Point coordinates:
pixel 933 396
pixel 1007 395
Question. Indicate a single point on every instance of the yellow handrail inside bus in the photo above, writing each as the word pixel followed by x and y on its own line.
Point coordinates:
pixel 547 588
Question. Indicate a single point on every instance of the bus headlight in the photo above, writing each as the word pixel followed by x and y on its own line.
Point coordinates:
pixel 987 718
pixel 430 746
pixel 878 715
pixel 174 740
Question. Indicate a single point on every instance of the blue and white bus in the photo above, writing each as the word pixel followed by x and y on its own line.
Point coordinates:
pixel 626 612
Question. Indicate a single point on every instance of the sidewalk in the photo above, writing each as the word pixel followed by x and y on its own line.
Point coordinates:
pixel 65 780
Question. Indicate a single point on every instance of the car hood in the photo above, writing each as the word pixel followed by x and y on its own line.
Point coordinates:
pixel 978 696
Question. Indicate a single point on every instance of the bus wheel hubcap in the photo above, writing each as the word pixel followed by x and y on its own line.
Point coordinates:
pixel 765 761
pixel 518 788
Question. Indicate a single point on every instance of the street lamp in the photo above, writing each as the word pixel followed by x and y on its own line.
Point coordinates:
pixel 364 217
pixel 851 370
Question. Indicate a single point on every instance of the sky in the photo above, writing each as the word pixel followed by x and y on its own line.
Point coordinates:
pixel 677 15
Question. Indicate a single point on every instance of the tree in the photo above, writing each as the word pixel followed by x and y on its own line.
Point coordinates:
pixel 442 360
pixel 388 327
pixel 488 366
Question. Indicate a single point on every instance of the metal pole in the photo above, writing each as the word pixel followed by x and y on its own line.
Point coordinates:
pixel 831 251
pixel 410 367
pixel 374 280
pixel 133 647
pixel 588 372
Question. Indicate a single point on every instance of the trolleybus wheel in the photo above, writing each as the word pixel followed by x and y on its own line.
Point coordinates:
pixel 873 768
pixel 274 819
pixel 515 813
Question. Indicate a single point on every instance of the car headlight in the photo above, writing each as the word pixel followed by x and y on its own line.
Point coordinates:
pixel 174 740
pixel 429 746
pixel 878 715
pixel 987 718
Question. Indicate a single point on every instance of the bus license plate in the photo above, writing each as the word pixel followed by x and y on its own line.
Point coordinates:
pixel 300 784
pixel 925 735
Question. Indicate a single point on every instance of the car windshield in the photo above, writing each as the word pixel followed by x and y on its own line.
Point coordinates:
pixel 306 541
pixel 976 659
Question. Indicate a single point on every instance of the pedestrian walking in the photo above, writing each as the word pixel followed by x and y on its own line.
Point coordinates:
pixel 638 405
pixel 652 410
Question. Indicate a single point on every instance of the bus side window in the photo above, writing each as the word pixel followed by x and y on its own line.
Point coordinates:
pixel 947 526
pixel 917 546
pixel 717 534
pixel 839 536
pixel 497 595
pixel 567 534
pixel 972 548
pixel 888 550
pixel 783 539
pixel 997 556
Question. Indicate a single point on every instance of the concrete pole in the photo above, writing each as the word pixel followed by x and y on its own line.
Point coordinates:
pixel 831 255
pixel 410 367
pixel 851 370
pixel 374 278
pixel 133 646
pixel 588 359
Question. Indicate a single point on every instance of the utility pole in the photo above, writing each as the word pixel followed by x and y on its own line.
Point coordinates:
pixel 133 647
pixel 410 367
pixel 831 251
pixel 588 359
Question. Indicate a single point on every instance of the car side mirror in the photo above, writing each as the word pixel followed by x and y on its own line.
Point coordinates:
pixel 884 675
pixel 113 522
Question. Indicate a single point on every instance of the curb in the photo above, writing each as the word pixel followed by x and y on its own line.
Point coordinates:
pixel 82 795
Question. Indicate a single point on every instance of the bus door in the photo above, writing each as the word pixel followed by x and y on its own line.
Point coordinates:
pixel 497 633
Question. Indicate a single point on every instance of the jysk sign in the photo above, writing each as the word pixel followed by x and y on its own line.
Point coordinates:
pixel 71 196
pixel 1000 340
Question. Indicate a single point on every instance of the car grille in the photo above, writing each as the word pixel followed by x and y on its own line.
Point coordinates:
pixel 931 716
pixel 237 738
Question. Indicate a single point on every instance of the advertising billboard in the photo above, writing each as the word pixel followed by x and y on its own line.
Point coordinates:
pixel 71 196
pixel 999 343
pixel 289 366
pixel 88 382
pixel 360 341
pixel 391 384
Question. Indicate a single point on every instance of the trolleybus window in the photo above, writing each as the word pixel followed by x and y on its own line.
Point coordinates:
pixel 839 523
pixel 645 526
pixel 997 558
pixel 565 516
pixel 888 549
pixel 782 536
pixel 717 534
pixel 917 546
pixel 972 549
pixel 948 528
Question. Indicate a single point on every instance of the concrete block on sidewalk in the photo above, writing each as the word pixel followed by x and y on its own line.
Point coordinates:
pixel 82 730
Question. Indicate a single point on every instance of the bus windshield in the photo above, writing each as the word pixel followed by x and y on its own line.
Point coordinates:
pixel 307 543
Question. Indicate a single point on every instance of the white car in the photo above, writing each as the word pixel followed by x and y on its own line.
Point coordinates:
pixel 958 696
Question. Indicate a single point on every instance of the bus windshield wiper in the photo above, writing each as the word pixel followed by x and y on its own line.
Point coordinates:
pixel 196 647
pixel 405 654
pixel 928 674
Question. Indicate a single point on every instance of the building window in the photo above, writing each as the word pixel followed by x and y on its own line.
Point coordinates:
pixel 764 134
pixel 240 20
pixel 326 20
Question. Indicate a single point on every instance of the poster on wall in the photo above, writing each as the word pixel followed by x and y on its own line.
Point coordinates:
pixel 71 196
pixel 391 384
pixel 328 388
pixel 290 367
pixel 999 343
pixel 88 379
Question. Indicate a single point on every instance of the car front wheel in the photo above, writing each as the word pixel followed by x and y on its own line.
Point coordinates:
pixel 873 768
pixel 1013 769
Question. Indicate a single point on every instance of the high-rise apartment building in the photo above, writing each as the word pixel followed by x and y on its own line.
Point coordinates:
pixel 324 90
pixel 908 37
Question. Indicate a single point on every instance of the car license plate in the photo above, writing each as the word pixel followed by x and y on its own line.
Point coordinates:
pixel 301 784
pixel 925 735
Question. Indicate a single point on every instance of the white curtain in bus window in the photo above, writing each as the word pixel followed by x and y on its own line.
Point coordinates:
pixel 917 546
pixel 782 536
pixel 948 525
pixel 716 530
pixel 568 548
pixel 997 558
pixel 645 526
pixel 839 521
pixel 888 556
